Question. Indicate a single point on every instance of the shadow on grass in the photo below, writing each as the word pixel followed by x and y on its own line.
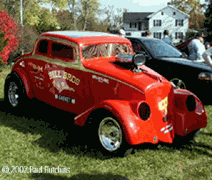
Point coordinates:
pixel 190 149
pixel 56 127
pixel 58 132
pixel 93 176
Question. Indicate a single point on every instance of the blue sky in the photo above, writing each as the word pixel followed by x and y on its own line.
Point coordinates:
pixel 136 5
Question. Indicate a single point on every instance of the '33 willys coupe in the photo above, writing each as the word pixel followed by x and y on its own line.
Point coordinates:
pixel 96 76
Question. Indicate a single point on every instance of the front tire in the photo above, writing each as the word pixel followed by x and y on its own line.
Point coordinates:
pixel 110 134
pixel 14 92
pixel 109 137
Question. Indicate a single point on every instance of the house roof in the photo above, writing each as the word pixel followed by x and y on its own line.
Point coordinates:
pixel 141 16
pixel 135 16
pixel 168 6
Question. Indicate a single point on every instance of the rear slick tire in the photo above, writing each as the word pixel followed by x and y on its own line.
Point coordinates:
pixel 14 93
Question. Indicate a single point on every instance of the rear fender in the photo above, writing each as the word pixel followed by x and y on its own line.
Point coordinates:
pixel 23 76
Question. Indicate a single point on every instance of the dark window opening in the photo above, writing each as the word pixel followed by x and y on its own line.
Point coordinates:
pixel 43 47
pixel 62 51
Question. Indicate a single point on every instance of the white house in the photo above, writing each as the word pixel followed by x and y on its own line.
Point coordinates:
pixel 168 18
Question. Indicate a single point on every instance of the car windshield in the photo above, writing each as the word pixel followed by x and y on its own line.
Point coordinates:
pixel 158 48
pixel 105 50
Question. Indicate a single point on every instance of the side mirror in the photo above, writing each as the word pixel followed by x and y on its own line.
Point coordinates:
pixel 139 59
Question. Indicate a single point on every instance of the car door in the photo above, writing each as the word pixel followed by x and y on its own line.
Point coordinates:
pixel 35 67
pixel 67 86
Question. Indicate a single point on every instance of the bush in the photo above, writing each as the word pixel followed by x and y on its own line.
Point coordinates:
pixel 8 31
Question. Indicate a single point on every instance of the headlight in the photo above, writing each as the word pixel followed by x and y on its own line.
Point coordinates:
pixel 191 103
pixel 144 111
pixel 205 76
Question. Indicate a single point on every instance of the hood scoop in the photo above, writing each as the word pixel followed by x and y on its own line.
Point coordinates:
pixel 133 63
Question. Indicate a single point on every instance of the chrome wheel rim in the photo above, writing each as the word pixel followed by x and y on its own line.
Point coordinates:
pixel 178 83
pixel 12 94
pixel 110 134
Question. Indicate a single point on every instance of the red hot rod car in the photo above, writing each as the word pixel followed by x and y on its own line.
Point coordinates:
pixel 96 76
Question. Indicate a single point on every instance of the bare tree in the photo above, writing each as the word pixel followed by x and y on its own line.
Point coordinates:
pixel 114 17
pixel 72 6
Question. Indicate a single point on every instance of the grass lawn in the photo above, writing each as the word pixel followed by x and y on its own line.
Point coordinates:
pixel 41 139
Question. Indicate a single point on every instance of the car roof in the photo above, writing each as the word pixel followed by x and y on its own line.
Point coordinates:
pixel 77 34
pixel 142 38
pixel 86 37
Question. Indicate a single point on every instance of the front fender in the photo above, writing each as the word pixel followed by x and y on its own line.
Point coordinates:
pixel 188 120
pixel 136 130
pixel 20 73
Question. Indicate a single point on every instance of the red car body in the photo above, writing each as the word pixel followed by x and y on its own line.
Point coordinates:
pixel 83 85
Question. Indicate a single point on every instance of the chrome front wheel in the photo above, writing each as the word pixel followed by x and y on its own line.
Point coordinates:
pixel 110 134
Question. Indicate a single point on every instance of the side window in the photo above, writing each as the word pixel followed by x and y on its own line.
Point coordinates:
pixel 43 47
pixel 137 47
pixel 63 51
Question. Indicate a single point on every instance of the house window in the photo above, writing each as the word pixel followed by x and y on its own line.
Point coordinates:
pixel 174 13
pixel 133 25
pixel 157 22
pixel 178 35
pixel 157 35
pixel 179 22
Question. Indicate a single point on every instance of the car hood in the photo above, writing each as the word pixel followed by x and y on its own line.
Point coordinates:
pixel 142 80
pixel 199 65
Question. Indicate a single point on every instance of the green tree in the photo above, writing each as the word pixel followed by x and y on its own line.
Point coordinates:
pixel 194 9
pixel 32 10
pixel 208 20
pixel 65 20
pixel 46 21
pixel 86 9
pixel 71 4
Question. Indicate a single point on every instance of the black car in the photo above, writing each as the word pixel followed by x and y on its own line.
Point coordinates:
pixel 174 65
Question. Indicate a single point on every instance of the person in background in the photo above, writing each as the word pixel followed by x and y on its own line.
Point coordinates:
pixel 207 45
pixel 196 49
pixel 207 56
pixel 201 40
pixel 167 39
pixel 147 33
pixel 122 32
